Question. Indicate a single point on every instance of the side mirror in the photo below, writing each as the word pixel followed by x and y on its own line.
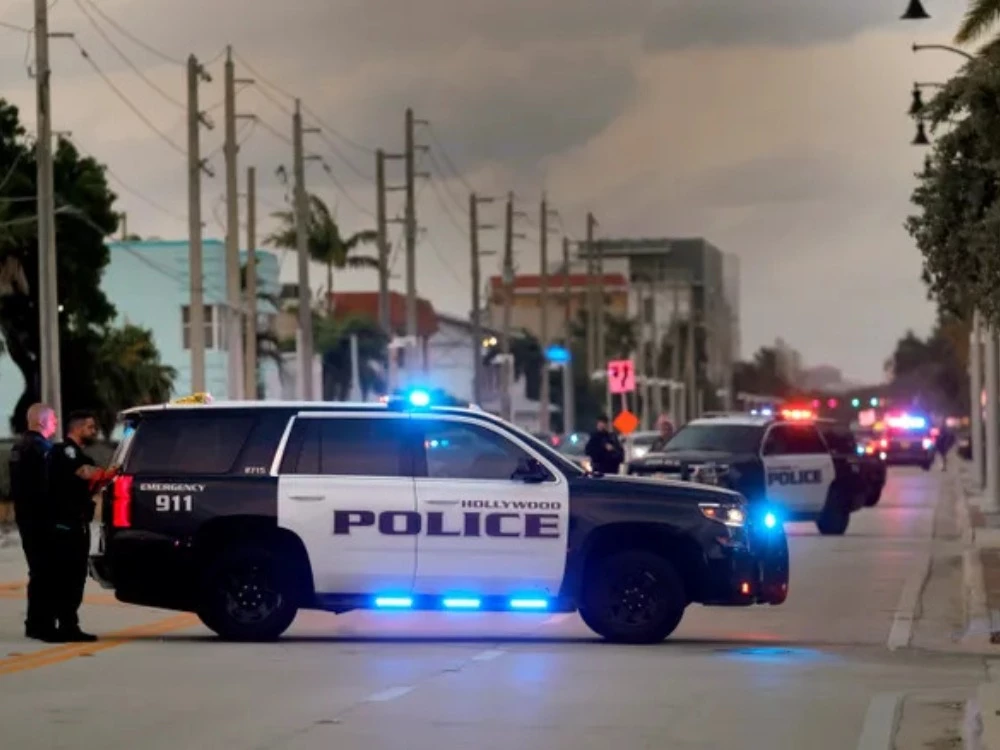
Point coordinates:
pixel 530 471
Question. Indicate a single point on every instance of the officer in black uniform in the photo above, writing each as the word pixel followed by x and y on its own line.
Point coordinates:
pixel 604 449
pixel 70 471
pixel 34 518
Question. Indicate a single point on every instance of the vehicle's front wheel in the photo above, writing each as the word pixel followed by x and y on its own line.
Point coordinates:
pixel 248 595
pixel 835 517
pixel 633 597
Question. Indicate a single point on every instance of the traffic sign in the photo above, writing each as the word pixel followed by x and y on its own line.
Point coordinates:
pixel 621 376
pixel 626 422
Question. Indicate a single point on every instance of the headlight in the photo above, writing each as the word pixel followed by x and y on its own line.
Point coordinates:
pixel 639 451
pixel 731 515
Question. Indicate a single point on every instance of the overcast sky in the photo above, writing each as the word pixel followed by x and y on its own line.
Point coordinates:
pixel 776 129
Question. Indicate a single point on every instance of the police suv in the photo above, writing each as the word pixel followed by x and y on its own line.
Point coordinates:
pixel 247 512
pixel 779 462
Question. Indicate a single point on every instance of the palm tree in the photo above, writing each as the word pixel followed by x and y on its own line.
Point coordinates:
pixel 981 18
pixel 269 346
pixel 130 373
pixel 333 342
pixel 326 244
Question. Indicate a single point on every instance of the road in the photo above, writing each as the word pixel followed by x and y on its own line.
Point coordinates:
pixel 816 672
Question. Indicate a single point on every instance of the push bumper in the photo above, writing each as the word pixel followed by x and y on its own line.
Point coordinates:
pixel 754 572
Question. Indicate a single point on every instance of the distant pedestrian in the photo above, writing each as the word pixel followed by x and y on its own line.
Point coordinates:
pixel 33 516
pixel 943 444
pixel 604 449
pixel 666 429
pixel 70 492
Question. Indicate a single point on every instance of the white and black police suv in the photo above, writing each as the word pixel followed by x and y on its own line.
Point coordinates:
pixel 246 512
pixel 781 464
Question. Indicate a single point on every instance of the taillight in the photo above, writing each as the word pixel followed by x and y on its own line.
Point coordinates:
pixel 121 504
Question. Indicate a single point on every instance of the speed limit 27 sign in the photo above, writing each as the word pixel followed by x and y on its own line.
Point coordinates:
pixel 621 376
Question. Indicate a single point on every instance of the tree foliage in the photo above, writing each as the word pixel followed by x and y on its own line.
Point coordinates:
pixel 957 196
pixel 91 348
pixel 333 343
pixel 762 375
pixel 981 18
pixel 326 243
pixel 932 372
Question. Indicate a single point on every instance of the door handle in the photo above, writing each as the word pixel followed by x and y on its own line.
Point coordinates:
pixel 310 498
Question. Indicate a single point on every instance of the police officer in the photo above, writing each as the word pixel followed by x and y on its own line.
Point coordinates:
pixel 34 518
pixel 604 449
pixel 70 493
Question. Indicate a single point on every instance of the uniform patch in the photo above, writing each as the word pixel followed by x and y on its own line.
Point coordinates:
pixel 70 451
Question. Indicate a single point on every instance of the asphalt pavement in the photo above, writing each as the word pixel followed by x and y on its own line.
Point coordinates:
pixel 864 650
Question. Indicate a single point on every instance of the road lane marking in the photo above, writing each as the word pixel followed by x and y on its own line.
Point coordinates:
pixel 58 654
pixel 881 720
pixel 104 599
pixel 389 695
pixel 488 655
pixel 909 602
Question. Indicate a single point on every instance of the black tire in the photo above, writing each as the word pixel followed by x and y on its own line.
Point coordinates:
pixel 874 495
pixel 633 597
pixel 836 515
pixel 248 594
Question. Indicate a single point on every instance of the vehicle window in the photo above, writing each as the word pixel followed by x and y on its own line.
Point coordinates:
pixel 458 450
pixel 725 438
pixel 263 441
pixel 347 446
pixel 791 440
pixel 840 441
pixel 121 453
pixel 190 444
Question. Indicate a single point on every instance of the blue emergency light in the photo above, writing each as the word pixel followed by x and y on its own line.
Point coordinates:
pixel 557 354
pixel 419 398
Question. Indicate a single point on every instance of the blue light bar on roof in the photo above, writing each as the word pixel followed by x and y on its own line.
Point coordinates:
pixel 419 398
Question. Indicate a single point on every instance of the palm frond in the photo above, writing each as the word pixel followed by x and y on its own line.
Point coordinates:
pixel 980 19
pixel 360 261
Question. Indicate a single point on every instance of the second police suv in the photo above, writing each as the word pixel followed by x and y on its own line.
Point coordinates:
pixel 791 465
pixel 245 513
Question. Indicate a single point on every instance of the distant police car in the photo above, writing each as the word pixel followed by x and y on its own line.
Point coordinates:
pixel 781 463
pixel 247 512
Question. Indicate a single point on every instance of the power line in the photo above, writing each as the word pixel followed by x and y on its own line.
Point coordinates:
pixel 448 161
pixel 340 155
pixel 138 113
pixel 344 191
pixel 444 185
pixel 13 168
pixel 286 93
pixel 446 208
pixel 15 27
pixel 446 264
pixel 173 100
pixel 273 130
pixel 129 35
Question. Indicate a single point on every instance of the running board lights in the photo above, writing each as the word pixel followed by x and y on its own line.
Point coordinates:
pixel 462 603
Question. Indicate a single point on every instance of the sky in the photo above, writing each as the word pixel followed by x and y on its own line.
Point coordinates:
pixel 776 129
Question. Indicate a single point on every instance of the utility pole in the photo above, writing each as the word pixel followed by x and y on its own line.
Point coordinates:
pixel 599 316
pixel 675 359
pixel 508 301
pixel 475 227
pixel 383 244
pixel 48 289
pixel 975 397
pixel 196 307
pixel 251 293
pixel 302 246
pixel 543 241
pixel 124 225
pixel 592 313
pixel 690 367
pixel 991 502
pixel 411 236
pixel 569 408
pixel 234 295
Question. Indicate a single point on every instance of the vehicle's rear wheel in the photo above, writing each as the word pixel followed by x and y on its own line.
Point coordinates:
pixel 248 594
pixel 836 515
pixel 873 496
pixel 633 597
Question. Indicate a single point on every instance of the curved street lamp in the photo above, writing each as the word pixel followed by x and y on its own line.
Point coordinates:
pixel 915 12
pixel 945 48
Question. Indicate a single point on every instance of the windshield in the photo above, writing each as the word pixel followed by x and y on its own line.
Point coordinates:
pixel 725 438
pixel 562 463
pixel 128 428
pixel 574 445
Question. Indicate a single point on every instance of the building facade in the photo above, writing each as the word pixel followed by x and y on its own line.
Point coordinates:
pixel 149 285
